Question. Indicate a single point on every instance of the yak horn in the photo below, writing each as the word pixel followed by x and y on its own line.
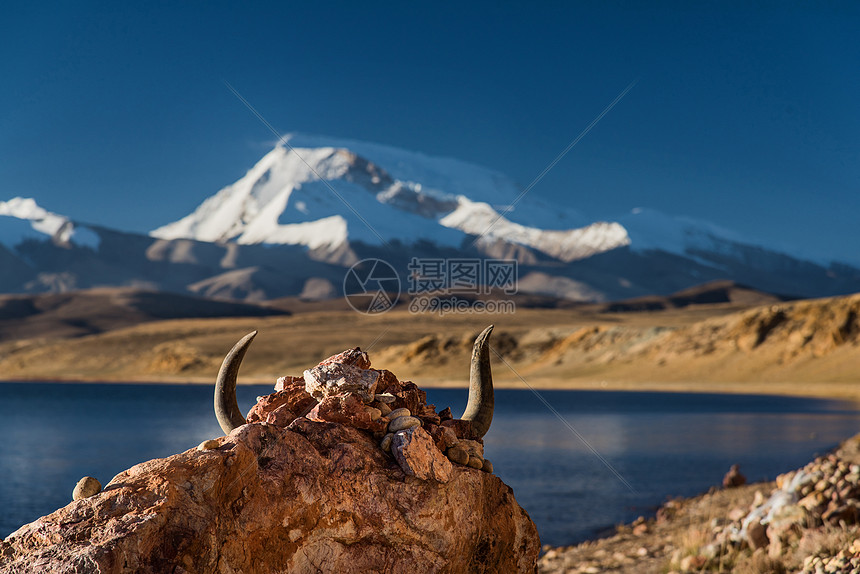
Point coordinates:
pixel 226 408
pixel 479 409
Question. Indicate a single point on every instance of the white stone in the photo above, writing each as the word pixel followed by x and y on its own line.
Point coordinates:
pixel 338 379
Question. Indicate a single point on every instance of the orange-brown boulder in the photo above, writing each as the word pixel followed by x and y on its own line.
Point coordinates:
pixel 290 493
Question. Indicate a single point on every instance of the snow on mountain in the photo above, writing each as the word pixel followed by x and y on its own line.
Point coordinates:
pixel 442 177
pixel 332 192
pixel 323 193
pixel 22 218
pixel 481 220
pixel 649 229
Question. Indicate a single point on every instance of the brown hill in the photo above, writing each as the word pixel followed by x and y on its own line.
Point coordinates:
pixel 93 311
pixel 801 347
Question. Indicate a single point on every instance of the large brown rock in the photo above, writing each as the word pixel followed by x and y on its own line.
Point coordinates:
pixel 291 494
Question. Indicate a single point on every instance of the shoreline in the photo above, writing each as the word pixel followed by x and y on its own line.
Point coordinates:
pixel 726 528
pixel 846 392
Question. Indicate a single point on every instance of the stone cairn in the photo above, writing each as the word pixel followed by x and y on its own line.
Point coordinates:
pixel 345 389
pixel 824 492
pixel 302 484
pixel 821 497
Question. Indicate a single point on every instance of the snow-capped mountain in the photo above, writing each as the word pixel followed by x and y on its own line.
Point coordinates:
pixel 306 212
pixel 331 194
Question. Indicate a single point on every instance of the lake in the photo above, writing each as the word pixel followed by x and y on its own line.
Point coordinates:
pixel 613 457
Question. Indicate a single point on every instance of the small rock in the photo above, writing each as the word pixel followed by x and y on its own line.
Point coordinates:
pixel 462 428
pixel 734 478
pixel 208 444
pixel 287 382
pixel 330 379
pixel 444 437
pixel 757 535
pixel 86 487
pixel 416 453
pixel 401 423
pixel 473 447
pixel 845 513
pixel 385 443
pixel 384 409
pixel 385 398
pixel 346 409
pixel 397 413
pixel 488 466
pixel 374 413
pixel 811 501
pixel 458 455
pixel 476 462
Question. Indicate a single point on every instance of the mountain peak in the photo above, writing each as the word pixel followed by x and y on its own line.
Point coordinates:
pixel 325 194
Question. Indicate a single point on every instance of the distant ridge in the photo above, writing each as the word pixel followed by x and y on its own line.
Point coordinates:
pixel 713 292
pixel 293 226
pixel 99 310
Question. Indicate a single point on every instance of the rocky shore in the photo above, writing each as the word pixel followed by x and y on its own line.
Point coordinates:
pixel 805 521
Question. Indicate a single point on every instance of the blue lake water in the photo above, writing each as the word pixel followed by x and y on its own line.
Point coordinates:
pixel 616 455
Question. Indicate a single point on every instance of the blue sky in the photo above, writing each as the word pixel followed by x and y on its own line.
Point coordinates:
pixel 744 114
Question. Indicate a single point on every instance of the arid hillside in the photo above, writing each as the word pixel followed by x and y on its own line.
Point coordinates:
pixel 801 347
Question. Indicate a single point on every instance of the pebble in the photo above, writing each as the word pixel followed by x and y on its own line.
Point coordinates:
pixel 476 462
pixel 384 409
pixel 397 413
pixel 401 423
pixel 458 455
pixel 488 466
pixel 208 444
pixel 86 487
pixel 385 398
pixel 385 443
pixel 375 414
pixel 756 536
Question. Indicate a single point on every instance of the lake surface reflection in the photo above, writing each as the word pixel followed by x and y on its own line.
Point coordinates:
pixel 649 445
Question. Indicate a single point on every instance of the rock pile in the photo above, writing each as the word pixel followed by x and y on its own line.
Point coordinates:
pixel 825 492
pixel 823 496
pixel 805 521
pixel 345 389
pixel 302 486
pixel 844 561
